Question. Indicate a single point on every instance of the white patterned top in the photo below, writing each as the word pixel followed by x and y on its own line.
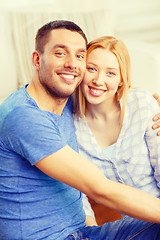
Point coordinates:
pixel 135 158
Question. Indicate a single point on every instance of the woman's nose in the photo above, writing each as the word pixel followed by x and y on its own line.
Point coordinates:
pixel 98 79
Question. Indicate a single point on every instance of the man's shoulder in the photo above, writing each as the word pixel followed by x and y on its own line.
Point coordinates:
pixel 17 108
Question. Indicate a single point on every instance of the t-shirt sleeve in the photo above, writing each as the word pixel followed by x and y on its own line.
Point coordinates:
pixel 31 134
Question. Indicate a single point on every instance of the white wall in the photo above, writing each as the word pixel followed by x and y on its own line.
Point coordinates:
pixel 136 22
pixel 8 81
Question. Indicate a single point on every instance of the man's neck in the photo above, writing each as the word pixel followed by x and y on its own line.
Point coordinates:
pixel 45 101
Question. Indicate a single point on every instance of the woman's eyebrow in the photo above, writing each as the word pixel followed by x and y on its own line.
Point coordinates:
pixel 91 63
pixel 110 68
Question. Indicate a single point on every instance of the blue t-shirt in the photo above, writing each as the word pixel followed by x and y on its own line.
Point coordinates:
pixel 32 204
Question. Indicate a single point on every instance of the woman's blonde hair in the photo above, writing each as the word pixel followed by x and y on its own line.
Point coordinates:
pixel 118 48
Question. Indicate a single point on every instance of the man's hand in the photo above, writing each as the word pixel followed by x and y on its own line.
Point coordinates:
pixel 90 221
pixel 156 96
pixel 157 124
pixel 157 117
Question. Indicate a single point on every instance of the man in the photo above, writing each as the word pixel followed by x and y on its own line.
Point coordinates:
pixel 40 169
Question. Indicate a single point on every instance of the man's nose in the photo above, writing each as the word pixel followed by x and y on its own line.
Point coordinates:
pixel 71 62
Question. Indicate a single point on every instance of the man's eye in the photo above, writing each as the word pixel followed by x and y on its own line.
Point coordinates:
pixel 59 54
pixel 80 56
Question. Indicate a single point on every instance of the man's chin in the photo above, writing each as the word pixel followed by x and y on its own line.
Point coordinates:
pixel 64 95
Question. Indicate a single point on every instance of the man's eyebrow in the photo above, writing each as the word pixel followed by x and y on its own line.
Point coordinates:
pixel 82 50
pixel 59 46
pixel 66 47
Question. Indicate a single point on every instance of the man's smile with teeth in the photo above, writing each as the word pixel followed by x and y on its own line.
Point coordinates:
pixel 67 76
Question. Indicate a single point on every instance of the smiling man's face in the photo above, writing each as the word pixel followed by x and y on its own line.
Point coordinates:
pixel 62 65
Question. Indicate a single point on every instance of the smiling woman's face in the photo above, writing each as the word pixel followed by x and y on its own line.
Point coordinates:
pixel 102 76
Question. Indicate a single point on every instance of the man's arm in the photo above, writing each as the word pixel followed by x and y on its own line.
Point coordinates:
pixel 90 218
pixel 69 167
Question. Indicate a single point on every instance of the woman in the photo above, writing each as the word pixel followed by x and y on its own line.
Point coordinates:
pixel 113 122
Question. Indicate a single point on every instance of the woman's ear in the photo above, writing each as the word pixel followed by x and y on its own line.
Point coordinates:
pixel 35 60
pixel 120 84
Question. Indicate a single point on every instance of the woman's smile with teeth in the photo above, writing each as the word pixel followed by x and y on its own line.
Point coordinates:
pixel 96 91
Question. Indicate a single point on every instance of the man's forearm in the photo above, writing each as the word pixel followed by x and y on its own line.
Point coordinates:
pixel 69 167
pixel 129 201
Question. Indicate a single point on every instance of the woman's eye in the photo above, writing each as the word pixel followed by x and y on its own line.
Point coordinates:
pixel 91 69
pixel 111 74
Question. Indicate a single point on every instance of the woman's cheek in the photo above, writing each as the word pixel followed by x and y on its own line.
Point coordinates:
pixel 88 77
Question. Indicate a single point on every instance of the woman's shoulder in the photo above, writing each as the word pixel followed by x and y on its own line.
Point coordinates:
pixel 136 92
pixel 140 95
pixel 141 98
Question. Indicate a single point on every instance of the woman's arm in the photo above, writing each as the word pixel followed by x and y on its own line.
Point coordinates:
pixel 69 167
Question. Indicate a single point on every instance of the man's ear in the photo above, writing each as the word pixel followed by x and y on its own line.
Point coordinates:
pixel 35 60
